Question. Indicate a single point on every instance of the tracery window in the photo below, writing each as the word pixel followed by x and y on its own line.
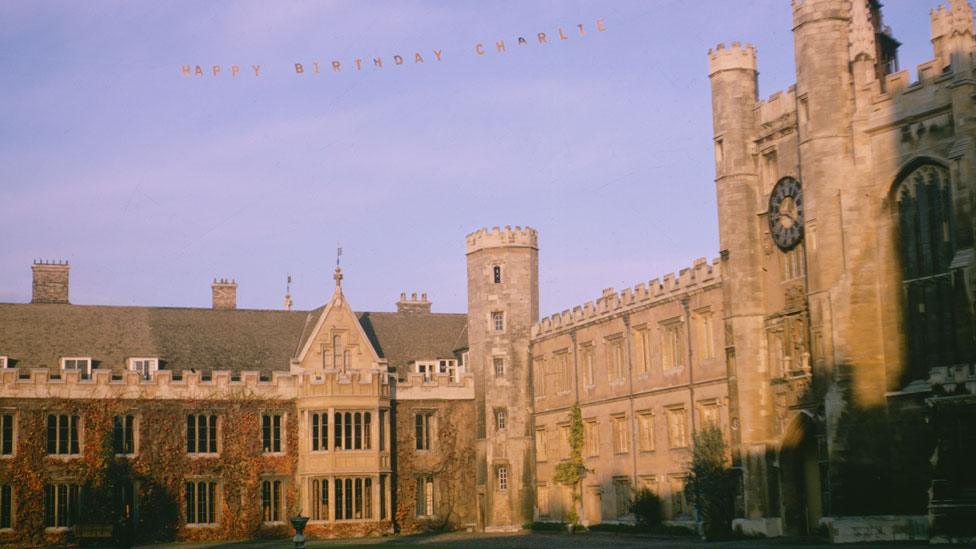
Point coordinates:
pixel 938 325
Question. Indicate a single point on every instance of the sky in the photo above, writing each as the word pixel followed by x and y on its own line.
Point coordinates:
pixel 151 183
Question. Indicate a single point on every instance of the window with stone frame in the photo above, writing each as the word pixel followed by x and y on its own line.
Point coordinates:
pixel 677 427
pixel 710 413
pixel 542 499
pixel 565 446
pixel 6 507
pixel 591 437
pixel 938 310
pixel 497 274
pixel 319 498
pixel 587 360
pixel 565 370
pixel 124 434
pixel 353 430
pixel 541 445
pixel 622 495
pixel 353 498
pixel 672 344
pixel 62 505
pixel 320 430
pixel 7 434
pixel 498 321
pixel 498 364
pixel 425 496
pixel 271 500
pixel 645 430
pixel 63 434
pixel 621 438
pixel 501 419
pixel 201 434
pixel 679 505
pixel 615 357
pixel 271 433
pixel 793 264
pixel 642 350
pixel 423 429
pixel 501 475
pixel 200 501
pixel 704 334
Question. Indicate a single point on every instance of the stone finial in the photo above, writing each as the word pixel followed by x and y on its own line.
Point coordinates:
pixel 50 284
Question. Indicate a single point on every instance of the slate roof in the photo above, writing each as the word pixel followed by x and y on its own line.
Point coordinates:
pixel 38 335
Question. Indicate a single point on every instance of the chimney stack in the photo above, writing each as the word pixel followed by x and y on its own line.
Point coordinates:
pixel 413 305
pixel 224 294
pixel 50 281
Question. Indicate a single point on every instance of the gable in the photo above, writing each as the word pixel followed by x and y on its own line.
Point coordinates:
pixel 337 341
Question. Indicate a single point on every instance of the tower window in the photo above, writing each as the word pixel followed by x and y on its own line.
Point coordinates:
pixel 499 364
pixel 497 271
pixel 498 320
pixel 501 419
pixel 502 478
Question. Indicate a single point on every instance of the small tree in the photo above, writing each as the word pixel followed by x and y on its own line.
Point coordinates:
pixel 646 507
pixel 711 485
pixel 572 471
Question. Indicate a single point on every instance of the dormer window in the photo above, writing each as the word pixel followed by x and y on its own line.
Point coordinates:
pixel 145 366
pixel 83 364
pixel 427 369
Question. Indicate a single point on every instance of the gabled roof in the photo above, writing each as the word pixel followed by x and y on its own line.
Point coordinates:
pixel 38 335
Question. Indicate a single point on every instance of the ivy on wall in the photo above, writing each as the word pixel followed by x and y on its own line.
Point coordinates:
pixel 158 471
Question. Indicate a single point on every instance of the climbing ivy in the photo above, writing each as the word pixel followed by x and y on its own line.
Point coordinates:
pixel 571 472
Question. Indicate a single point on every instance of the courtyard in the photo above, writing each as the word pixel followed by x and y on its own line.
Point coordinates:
pixel 527 540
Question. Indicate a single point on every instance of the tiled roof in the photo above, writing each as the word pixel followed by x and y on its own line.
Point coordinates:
pixel 38 335
pixel 404 337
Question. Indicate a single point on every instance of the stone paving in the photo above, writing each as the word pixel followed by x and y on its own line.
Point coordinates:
pixel 525 540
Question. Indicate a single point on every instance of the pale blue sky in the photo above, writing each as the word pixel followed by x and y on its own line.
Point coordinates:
pixel 151 183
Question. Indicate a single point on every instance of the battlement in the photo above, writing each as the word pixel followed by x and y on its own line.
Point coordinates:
pixel 805 11
pixel 955 18
pixel 218 385
pixel 738 57
pixel 776 106
pixel 57 262
pixel 437 387
pixel 501 238
pixel 699 275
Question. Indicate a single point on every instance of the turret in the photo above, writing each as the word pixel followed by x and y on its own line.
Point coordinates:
pixel 952 35
pixel 503 304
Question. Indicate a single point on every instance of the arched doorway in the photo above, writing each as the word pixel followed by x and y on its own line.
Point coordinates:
pixel 800 464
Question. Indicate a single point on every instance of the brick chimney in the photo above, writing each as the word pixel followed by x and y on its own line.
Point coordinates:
pixel 50 281
pixel 224 293
pixel 413 305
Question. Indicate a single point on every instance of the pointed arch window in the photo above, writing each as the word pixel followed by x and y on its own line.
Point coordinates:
pixel 937 322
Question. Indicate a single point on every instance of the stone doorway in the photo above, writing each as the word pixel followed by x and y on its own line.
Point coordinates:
pixel 800 472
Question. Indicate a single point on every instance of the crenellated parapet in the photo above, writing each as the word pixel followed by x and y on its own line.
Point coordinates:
pixel 499 238
pixel 805 11
pixel 218 385
pixel 435 387
pixel 956 18
pixel 777 112
pixel 737 57
pixel 697 277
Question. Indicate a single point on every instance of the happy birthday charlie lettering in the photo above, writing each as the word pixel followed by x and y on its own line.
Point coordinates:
pixel 374 63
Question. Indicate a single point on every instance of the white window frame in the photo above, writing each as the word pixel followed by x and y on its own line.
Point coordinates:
pixel 501 419
pixel 151 362
pixel 448 366
pixel 501 473
pixel 4 362
pixel 86 373
pixel 426 368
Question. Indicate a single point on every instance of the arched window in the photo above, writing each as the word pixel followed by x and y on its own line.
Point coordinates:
pixel 937 323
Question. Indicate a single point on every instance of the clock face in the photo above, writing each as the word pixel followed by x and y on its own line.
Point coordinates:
pixel 786 213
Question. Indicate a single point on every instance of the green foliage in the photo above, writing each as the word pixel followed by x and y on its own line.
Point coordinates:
pixel 572 471
pixel 711 484
pixel 646 507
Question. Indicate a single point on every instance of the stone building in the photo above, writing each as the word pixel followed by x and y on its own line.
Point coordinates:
pixel 832 341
